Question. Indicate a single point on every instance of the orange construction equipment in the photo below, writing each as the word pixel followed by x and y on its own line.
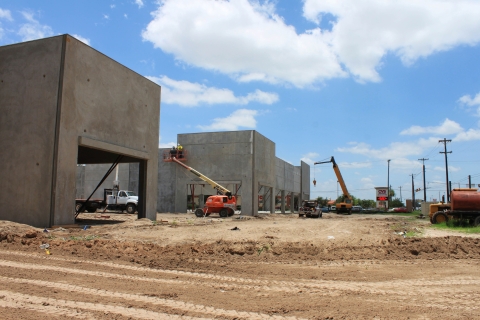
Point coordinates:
pixel 175 152
pixel 346 205
pixel 224 203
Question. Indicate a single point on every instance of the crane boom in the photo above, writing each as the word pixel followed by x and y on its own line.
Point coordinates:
pixel 216 186
pixel 345 206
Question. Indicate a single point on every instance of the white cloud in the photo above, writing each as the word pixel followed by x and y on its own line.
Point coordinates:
pixel 192 94
pixel 471 134
pixel 167 145
pixel 112 6
pixel 396 151
pixel 249 41
pixel 310 158
pixel 355 164
pixel 450 169
pixel 84 40
pixel 5 14
pixel 365 31
pixel 106 16
pixel 471 102
pixel 139 3
pixel 33 30
pixel 446 128
pixel 246 40
pixel 240 118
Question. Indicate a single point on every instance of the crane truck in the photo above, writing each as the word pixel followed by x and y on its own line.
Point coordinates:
pixel 464 204
pixel 346 205
pixel 224 203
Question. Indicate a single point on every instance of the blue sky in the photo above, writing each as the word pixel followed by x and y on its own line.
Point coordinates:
pixel 361 80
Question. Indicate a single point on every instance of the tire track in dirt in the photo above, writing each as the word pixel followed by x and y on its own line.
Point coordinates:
pixel 178 305
pixel 406 288
pixel 70 308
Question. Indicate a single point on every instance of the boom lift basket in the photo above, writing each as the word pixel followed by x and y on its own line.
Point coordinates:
pixel 180 155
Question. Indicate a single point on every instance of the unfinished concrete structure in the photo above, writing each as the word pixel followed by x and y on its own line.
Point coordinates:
pixel 63 103
pixel 242 161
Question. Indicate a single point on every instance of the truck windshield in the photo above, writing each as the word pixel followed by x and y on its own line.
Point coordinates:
pixel 130 193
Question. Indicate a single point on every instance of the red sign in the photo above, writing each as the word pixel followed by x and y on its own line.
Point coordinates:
pixel 382 198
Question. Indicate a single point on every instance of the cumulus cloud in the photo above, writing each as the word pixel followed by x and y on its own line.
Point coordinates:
pixel 395 151
pixel 139 3
pixel 468 101
pixel 249 41
pixel 5 14
pixel 450 169
pixel 365 31
pixel 310 158
pixel 190 94
pixel 242 118
pixel 471 134
pixel 446 128
pixel 32 29
pixel 355 164
pixel 246 40
pixel 84 40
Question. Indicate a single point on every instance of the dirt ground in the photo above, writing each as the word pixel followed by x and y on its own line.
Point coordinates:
pixel 270 267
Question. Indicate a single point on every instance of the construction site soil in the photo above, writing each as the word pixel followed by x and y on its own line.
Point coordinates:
pixel 276 266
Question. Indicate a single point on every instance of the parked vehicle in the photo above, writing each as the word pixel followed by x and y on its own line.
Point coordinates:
pixel 401 209
pixel 464 204
pixel 121 200
pixel 333 208
pixel 325 209
pixel 357 209
pixel 310 209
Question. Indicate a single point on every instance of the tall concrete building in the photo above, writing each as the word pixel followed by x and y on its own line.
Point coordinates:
pixel 242 161
pixel 62 103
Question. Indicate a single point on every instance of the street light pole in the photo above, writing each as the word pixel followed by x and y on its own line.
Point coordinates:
pixel 388 184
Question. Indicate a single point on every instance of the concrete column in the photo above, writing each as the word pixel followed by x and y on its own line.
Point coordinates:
pixel 292 203
pixel 272 200
pixel 282 201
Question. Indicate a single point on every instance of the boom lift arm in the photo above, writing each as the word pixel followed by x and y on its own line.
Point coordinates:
pixel 345 206
pixel 216 186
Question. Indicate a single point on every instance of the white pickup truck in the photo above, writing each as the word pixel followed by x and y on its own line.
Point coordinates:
pixel 121 200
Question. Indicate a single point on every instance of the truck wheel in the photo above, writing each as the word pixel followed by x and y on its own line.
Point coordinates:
pixel 92 210
pixel 131 208
pixel 439 217
pixel 199 213
pixel 230 213
pixel 476 222
pixel 223 213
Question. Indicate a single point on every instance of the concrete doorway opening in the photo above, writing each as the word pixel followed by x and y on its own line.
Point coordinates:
pixel 102 172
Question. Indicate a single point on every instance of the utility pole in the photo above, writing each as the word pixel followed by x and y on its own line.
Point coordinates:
pixel 388 184
pixel 413 193
pixel 446 163
pixel 400 194
pixel 424 186
pixel 469 181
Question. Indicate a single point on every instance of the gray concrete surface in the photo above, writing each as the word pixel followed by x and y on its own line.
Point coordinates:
pixel 64 103
pixel 236 158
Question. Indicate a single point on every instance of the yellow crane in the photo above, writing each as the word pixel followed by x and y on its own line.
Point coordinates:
pixel 346 205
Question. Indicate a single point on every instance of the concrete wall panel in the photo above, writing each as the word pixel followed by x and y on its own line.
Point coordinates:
pixel 52 92
pixel 29 89
pixel 103 100
pixel 221 156
pixel 166 184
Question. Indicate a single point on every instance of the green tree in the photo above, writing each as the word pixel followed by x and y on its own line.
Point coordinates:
pixel 396 203
pixel 322 201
